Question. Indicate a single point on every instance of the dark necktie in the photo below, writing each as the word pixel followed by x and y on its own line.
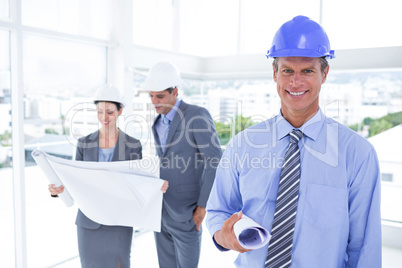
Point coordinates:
pixel 280 245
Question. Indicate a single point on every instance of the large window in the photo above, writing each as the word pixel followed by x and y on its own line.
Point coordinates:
pixel 59 72
pixel 359 98
pixel 206 31
pixel 375 26
pixel 4 9
pixel 90 18
pixel 6 182
pixel 59 76
pixel 153 23
pixel 5 101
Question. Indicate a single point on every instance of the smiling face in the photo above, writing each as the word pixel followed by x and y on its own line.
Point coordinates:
pixel 299 81
pixel 163 101
pixel 108 113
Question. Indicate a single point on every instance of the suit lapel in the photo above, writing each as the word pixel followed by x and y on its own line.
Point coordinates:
pixel 156 137
pixel 119 148
pixel 93 151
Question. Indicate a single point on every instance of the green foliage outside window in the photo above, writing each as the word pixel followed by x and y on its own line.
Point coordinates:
pixel 225 130
pixel 376 126
pixel 5 139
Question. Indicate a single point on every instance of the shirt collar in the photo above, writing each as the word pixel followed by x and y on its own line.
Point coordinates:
pixel 170 115
pixel 310 129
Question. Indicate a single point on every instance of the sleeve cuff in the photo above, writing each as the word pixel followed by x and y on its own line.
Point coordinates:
pixel 219 246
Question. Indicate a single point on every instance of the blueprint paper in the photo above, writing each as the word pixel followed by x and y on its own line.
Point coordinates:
pixel 250 234
pixel 124 193
pixel 52 176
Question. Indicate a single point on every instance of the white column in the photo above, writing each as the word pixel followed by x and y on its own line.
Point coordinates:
pixel 17 119
pixel 240 30
pixel 120 57
pixel 321 10
pixel 176 26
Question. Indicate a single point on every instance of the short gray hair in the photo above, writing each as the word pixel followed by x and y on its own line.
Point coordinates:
pixel 323 61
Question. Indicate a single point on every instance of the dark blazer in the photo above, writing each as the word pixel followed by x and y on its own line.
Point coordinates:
pixel 126 148
pixel 190 160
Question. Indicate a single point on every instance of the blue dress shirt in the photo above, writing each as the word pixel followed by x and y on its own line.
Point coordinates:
pixel 160 127
pixel 106 154
pixel 338 221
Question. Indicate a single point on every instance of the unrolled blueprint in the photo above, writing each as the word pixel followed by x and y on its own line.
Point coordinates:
pixel 125 193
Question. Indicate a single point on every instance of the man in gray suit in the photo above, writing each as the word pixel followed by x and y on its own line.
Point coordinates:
pixel 189 149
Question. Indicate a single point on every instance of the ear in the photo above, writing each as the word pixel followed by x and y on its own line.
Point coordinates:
pixel 274 73
pixel 175 91
pixel 324 77
pixel 120 111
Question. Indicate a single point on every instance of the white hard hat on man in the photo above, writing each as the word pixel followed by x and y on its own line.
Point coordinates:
pixel 162 76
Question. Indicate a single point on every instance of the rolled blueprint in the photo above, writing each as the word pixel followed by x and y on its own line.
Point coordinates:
pixel 250 234
pixel 42 162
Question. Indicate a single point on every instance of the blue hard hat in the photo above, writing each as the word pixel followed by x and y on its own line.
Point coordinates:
pixel 301 37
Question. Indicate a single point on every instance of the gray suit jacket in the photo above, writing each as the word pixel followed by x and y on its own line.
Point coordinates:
pixel 127 148
pixel 190 160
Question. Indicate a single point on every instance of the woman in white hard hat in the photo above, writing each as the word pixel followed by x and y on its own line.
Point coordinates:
pixel 99 245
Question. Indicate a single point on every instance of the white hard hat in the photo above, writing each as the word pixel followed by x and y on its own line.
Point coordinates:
pixel 108 93
pixel 162 76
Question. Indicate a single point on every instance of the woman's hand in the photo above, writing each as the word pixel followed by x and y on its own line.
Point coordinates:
pixel 165 186
pixel 54 191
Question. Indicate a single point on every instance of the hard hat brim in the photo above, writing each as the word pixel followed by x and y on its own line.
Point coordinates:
pixel 300 53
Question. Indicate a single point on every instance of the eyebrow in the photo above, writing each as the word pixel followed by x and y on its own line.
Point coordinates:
pixel 158 95
pixel 284 66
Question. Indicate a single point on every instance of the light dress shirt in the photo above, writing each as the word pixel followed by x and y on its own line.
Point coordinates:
pixel 106 154
pixel 160 127
pixel 338 221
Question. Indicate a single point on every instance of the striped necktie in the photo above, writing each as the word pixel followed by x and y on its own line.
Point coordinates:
pixel 280 245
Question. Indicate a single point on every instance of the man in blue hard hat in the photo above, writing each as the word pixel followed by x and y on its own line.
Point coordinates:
pixel 310 181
